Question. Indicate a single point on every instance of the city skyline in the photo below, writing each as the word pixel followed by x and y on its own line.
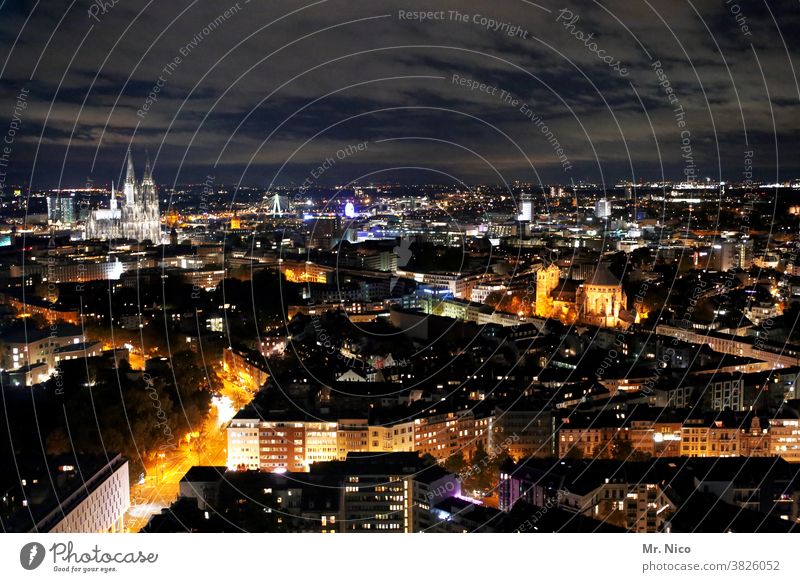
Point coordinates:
pixel 524 73
pixel 400 267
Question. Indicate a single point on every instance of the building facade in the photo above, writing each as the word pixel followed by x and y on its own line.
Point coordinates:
pixel 599 300
pixel 97 506
pixel 135 217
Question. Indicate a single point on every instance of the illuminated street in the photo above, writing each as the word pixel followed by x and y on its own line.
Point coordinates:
pixel 162 484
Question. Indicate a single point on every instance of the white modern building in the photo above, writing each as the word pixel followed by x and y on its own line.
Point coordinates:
pixel 525 208
pixel 97 505
pixel 602 208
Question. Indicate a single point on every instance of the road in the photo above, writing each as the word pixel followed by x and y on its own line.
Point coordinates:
pixel 162 483
pixel 209 447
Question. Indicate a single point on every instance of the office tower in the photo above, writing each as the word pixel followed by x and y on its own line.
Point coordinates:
pixel 525 208
pixel 602 208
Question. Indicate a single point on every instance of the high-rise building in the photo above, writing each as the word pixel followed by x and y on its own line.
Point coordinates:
pixel 390 493
pixel 602 208
pixel 725 255
pixel 324 232
pixel 61 209
pixel 135 217
pixel 525 207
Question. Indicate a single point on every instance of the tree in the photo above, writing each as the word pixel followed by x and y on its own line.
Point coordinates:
pixel 479 474
pixel 58 442
pixel 428 460
pixel 620 449
pixel 455 463
pixel 574 453
pixel 639 456
pixel 192 373
pixel 104 409
pixel 498 461
pixel 642 256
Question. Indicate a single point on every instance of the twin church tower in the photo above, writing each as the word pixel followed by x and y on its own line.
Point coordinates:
pixel 135 216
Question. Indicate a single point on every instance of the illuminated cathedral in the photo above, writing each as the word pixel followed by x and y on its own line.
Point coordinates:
pixel 136 216
pixel 598 301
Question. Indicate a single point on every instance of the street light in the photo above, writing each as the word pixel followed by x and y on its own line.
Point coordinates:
pixel 160 467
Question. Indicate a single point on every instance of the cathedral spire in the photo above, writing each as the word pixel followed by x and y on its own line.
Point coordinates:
pixel 130 176
pixel 147 177
pixel 129 188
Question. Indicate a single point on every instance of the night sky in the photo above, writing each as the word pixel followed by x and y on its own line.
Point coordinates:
pixel 263 92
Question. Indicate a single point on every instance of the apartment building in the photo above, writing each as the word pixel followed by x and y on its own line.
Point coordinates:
pixel 289 444
pixel 27 347
pixel 709 438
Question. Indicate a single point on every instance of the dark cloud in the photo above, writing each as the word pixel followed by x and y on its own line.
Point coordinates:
pixel 255 84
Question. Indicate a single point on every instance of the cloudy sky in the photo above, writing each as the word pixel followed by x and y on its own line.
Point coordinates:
pixel 263 92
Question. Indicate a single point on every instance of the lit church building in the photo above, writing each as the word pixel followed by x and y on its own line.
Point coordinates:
pixel 136 216
pixel 598 301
